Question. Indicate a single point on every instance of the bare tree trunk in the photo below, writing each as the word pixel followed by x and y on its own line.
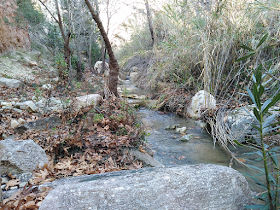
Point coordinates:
pixel 79 64
pixel 67 49
pixel 103 49
pixel 113 63
pixel 150 21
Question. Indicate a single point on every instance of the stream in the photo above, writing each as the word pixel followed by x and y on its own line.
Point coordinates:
pixel 170 150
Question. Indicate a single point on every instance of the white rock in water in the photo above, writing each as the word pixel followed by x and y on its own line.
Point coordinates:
pixel 181 130
pixel 186 137
pixel 202 100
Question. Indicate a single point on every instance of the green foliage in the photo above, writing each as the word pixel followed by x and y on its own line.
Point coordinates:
pixel 54 38
pixel 95 53
pixel 27 10
pixel 268 153
pixel 60 61
pixel 98 118
pixel 38 93
pixel 61 64
pixel 267 125
pixel 75 63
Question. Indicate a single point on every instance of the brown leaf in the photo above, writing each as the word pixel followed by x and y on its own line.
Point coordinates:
pixel 12 183
pixel 142 150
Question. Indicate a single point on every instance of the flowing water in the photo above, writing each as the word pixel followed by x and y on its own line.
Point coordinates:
pixel 170 150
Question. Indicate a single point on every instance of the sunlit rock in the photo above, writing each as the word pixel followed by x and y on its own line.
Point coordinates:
pixel 201 101
pixel 32 63
pixel 6 104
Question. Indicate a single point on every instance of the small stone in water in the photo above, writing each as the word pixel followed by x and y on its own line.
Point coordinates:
pixel 170 127
pixel 181 130
pixel 186 137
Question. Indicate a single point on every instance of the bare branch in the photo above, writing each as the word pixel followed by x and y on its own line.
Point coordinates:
pixel 48 10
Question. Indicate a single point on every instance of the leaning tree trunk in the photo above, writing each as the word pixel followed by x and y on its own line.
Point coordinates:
pixel 113 63
pixel 150 21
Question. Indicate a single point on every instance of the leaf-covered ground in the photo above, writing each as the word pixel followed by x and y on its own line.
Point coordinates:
pixel 95 139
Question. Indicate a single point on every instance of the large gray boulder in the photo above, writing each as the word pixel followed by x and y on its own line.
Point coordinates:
pixel 20 156
pixel 183 187
pixel 239 121
pixel 11 83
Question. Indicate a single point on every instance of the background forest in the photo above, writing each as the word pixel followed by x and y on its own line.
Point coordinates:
pixel 195 44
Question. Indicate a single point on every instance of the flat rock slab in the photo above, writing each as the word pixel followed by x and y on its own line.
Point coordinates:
pixel 41 124
pixel 182 187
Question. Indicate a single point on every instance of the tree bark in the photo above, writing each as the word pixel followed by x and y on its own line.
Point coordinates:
pixel 150 21
pixel 113 63
pixel 66 39
pixel 67 49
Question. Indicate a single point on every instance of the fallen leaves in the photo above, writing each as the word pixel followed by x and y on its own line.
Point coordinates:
pixel 83 144
pixel 30 197
pixel 142 150
pixel 12 183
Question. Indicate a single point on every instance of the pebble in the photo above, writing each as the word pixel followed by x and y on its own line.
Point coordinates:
pixel 186 137
pixel 181 130
pixel 14 123
pixel 3 186
pixel 14 188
